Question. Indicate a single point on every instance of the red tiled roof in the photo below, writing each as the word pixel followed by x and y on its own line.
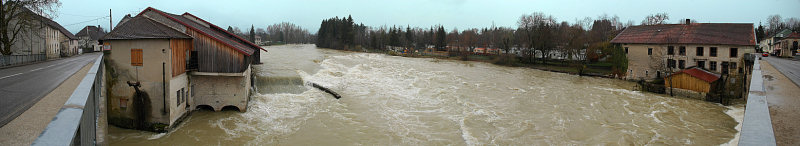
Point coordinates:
pixel 794 35
pixel 695 33
pixel 220 35
pixel 700 74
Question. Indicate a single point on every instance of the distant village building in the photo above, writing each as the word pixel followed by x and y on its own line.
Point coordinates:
pixel 179 62
pixel 654 51
pixel 258 41
pixel 89 38
pixel 48 38
pixel 768 44
pixel 787 46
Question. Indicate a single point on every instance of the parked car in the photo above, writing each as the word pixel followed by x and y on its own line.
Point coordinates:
pixel 764 54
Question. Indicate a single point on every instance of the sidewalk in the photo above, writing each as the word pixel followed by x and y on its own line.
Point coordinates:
pixel 26 127
pixel 784 105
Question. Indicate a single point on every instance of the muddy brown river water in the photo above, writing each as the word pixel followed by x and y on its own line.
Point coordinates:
pixel 390 100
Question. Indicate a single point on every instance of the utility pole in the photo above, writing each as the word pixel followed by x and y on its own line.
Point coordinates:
pixel 110 26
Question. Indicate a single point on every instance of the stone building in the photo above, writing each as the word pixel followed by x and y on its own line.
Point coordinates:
pixel 181 62
pixel 654 51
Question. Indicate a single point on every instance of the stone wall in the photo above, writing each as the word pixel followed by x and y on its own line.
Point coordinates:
pixel 687 93
pixel 219 90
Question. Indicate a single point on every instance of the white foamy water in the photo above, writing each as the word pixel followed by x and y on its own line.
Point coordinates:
pixel 390 100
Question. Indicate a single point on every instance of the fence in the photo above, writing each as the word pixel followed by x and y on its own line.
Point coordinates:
pixel 76 122
pixel 10 60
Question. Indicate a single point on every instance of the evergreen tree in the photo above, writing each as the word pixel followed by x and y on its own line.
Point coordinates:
pixel 441 39
pixel 409 37
pixel 760 34
pixel 252 34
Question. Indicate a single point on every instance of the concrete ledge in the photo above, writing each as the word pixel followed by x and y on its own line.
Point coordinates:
pixel 757 125
pixel 70 124
pixel 242 74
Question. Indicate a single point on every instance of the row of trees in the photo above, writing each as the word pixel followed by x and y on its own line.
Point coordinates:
pixel 775 24
pixel 538 37
pixel 535 33
pixel 284 32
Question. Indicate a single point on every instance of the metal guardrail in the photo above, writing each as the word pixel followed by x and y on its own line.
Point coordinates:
pixel 757 125
pixel 75 123
pixel 10 60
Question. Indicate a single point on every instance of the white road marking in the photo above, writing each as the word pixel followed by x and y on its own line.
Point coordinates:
pixel 10 76
pixel 37 69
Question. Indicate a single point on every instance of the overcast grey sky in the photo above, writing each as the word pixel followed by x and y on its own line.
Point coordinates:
pixel 461 14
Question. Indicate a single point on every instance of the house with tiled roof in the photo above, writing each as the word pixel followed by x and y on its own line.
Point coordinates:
pixel 89 36
pixel 654 51
pixel 769 43
pixel 46 37
pixel 166 65
pixel 787 46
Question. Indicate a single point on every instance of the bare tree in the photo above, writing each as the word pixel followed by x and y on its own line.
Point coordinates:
pixel 655 19
pixel 774 24
pixel 17 16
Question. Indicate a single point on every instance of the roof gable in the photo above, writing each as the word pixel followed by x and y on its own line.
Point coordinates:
pixel 699 74
pixel 93 32
pixel 144 28
pixel 218 35
pixel 50 23
pixel 695 33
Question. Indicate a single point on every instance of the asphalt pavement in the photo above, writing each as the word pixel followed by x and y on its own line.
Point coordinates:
pixel 789 68
pixel 23 86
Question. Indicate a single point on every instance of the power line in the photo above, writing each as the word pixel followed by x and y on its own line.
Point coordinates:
pixel 86 21
pixel 83 15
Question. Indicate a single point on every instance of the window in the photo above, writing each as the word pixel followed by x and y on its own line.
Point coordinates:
pixel 626 50
pixel 646 73
pixel 681 64
pixel 701 64
pixel 136 57
pixel 734 52
pixel 699 51
pixel 712 66
pixel 670 50
pixel 178 98
pixel 712 51
pixel 682 50
pixel 670 63
pixel 724 67
pixel 183 98
pixel 649 51
pixel 733 65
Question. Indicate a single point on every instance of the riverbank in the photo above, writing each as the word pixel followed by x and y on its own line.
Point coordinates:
pixel 595 69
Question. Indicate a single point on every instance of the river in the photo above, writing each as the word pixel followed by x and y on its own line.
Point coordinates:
pixel 391 100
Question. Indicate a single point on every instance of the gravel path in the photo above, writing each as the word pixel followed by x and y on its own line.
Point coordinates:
pixel 784 105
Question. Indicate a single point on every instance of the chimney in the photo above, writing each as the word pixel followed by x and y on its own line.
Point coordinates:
pixel 688 21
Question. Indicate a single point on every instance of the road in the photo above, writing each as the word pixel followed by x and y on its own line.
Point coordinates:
pixel 789 68
pixel 23 86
